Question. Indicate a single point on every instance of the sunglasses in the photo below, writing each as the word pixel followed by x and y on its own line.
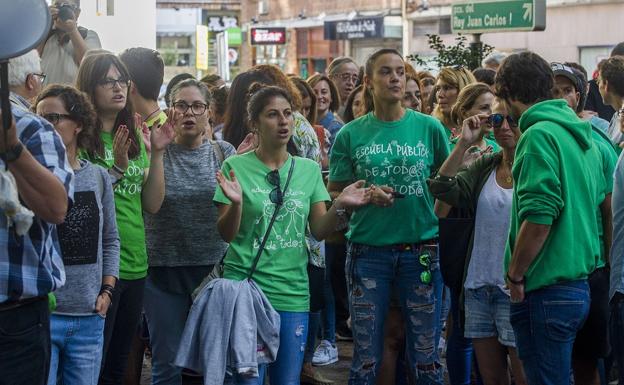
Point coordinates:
pixel 425 261
pixel 54 118
pixel 497 120
pixel 276 196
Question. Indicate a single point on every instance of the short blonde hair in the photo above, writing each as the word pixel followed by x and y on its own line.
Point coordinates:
pixel 458 77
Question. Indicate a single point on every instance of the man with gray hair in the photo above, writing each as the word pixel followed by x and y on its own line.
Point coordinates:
pixel 25 79
pixel 493 60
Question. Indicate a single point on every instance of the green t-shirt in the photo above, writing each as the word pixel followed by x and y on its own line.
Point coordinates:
pixel 282 269
pixel 129 210
pixel 402 155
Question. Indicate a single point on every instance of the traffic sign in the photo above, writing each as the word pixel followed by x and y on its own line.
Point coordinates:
pixel 498 16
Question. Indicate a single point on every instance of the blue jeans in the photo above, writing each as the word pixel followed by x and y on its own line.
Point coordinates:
pixel 286 369
pixel 166 316
pixel 545 325
pixel 616 326
pixel 371 273
pixel 459 352
pixel 329 311
pixel 76 349
pixel 25 343
pixel 314 322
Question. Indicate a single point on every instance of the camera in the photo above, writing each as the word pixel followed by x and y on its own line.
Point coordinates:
pixel 66 12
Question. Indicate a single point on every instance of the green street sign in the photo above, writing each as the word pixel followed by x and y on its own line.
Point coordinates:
pixel 498 16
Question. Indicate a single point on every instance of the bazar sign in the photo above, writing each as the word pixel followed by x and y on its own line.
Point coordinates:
pixel 271 35
pixel 498 16
pixel 365 28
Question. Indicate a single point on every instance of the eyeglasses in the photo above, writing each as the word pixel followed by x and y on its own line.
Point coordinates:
pixel 197 108
pixel 41 76
pixel 425 261
pixel 112 83
pixel 497 120
pixel 276 196
pixel 345 77
pixel 54 118
pixel 458 67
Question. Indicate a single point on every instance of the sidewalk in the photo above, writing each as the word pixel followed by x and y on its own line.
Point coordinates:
pixel 338 372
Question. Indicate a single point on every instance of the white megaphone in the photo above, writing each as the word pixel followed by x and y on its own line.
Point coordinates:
pixel 24 24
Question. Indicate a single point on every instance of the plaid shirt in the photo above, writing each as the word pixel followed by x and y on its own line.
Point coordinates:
pixel 31 265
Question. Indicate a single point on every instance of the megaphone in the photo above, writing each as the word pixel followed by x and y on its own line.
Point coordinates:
pixel 24 24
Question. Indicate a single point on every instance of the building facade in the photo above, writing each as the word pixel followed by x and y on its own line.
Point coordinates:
pixel 317 31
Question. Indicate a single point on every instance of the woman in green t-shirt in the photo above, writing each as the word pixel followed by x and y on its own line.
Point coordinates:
pixel 392 242
pixel 120 149
pixel 250 187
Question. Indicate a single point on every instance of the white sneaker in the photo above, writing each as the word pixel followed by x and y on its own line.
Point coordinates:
pixel 326 353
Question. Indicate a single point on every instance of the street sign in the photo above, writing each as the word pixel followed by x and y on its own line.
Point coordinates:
pixel 498 16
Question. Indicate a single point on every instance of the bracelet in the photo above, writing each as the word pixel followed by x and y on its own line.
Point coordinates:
pixel 515 282
pixel 118 169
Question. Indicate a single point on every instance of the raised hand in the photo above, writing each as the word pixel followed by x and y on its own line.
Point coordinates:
pixel 472 129
pixel 163 134
pixel 121 144
pixel 230 187
pixel 355 195
pixel 248 144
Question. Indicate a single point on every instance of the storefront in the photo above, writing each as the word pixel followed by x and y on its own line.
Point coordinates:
pixel 314 53
pixel 365 34
pixel 269 45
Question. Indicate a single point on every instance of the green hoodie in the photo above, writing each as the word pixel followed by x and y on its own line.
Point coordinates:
pixel 557 183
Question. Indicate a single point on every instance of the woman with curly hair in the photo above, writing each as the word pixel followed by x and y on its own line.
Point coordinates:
pixel 89 243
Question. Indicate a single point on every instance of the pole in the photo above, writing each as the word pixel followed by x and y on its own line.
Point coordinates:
pixel 405 46
pixel 476 46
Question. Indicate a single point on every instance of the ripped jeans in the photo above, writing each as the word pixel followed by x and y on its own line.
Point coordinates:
pixel 371 274
pixel 286 369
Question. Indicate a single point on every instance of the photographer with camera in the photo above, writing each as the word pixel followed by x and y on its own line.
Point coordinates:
pixel 63 50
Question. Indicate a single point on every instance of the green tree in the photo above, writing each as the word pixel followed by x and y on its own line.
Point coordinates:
pixel 460 53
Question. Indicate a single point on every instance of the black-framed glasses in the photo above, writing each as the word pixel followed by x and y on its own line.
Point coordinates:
pixel 197 108
pixel 54 118
pixel 346 76
pixel 425 261
pixel 276 196
pixel 497 120
pixel 41 76
pixel 109 83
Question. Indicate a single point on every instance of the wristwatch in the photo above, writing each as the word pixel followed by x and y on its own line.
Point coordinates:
pixel 13 153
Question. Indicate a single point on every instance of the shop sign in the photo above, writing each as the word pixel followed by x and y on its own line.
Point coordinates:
pixel 270 35
pixel 364 28
pixel 221 23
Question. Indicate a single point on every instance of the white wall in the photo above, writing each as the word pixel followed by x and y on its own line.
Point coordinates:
pixel 132 25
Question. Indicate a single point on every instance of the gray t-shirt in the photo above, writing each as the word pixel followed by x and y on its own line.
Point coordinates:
pixel 57 58
pixel 490 238
pixel 89 241
pixel 184 231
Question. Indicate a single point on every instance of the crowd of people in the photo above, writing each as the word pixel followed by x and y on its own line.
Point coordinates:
pixel 241 232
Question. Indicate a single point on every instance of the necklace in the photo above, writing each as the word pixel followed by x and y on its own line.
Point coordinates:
pixel 148 117
pixel 508 177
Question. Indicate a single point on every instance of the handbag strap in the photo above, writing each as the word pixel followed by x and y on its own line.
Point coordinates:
pixel 272 221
